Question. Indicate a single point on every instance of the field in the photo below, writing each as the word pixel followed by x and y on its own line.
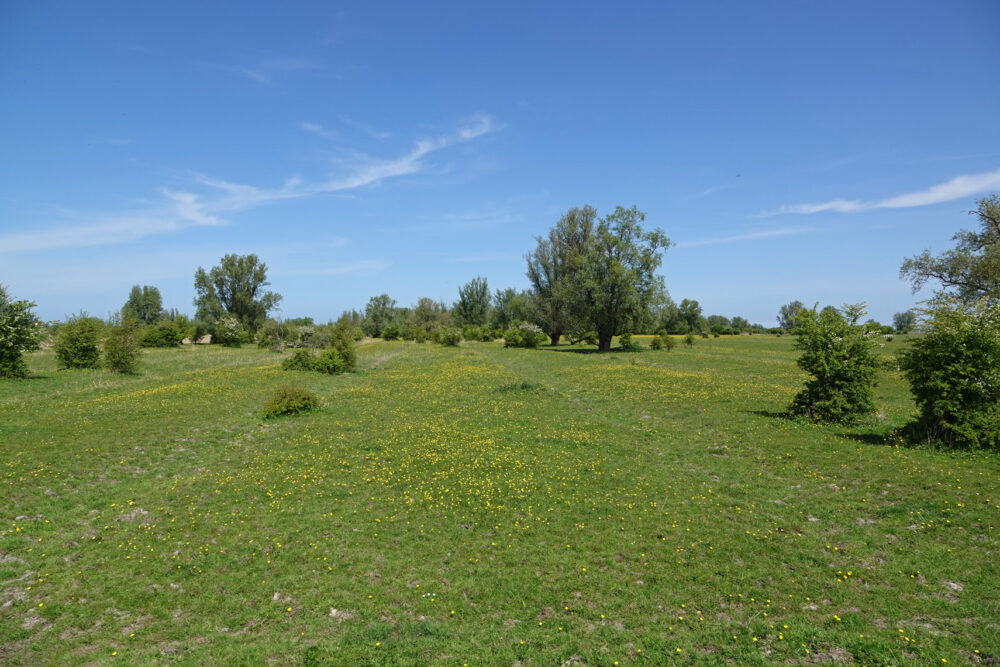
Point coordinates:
pixel 481 505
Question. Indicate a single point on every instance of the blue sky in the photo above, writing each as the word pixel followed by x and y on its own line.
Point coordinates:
pixel 791 150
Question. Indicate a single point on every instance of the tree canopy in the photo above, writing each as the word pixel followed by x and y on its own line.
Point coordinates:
pixel 144 303
pixel 788 312
pixel 473 305
pixel 971 270
pixel 550 266
pixel 235 287
pixel 615 282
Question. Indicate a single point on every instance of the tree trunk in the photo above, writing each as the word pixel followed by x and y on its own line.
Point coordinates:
pixel 554 339
pixel 604 341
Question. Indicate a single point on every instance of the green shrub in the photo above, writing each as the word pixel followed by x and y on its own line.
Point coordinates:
pixel 954 375
pixel 228 331
pixel 289 401
pixel 656 343
pixel 839 355
pixel 472 332
pixel 342 340
pixel 19 333
pixel 625 343
pixel 449 336
pixel 301 360
pixel 669 342
pixel 524 335
pixel 121 348
pixel 391 332
pixel 689 340
pixel 76 342
pixel 329 362
pixel 164 333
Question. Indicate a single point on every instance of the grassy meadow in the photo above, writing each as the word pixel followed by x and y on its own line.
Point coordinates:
pixel 481 505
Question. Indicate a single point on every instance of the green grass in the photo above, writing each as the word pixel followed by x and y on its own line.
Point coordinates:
pixel 484 505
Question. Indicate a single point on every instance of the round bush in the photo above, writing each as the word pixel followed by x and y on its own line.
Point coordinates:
pixel 289 401
pixel 448 336
pixel 954 375
pixel 19 333
pixel 329 362
pixel 301 360
pixel 121 349
pixel 76 342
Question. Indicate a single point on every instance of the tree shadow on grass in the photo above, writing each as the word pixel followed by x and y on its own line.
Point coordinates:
pixel 885 438
pixel 585 350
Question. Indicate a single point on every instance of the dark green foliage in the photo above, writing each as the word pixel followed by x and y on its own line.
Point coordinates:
pixel 342 340
pixel 524 335
pixel 275 334
pixel 550 268
pixel 656 343
pixel 379 314
pixel 626 345
pixel 689 340
pixel 839 355
pixel 121 347
pixel 472 332
pixel 76 342
pixel 144 304
pixel 301 360
pixel 904 322
pixel 19 333
pixel 524 385
pixel 391 332
pixel 289 401
pixel 164 333
pixel 473 305
pixel 329 362
pixel 509 308
pixel 235 287
pixel 669 342
pixel 615 282
pixel 954 375
pixel 448 336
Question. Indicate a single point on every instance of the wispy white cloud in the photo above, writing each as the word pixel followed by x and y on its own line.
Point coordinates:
pixel 319 130
pixel 957 188
pixel 266 70
pixel 181 209
pixel 774 232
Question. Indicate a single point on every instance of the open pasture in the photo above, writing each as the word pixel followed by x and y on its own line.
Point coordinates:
pixel 482 505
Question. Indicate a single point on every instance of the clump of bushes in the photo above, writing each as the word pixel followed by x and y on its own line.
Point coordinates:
pixel 625 343
pixel 289 401
pixel 448 336
pixel 121 348
pixel 340 357
pixel 19 333
pixel 391 332
pixel 301 360
pixel 76 342
pixel 839 354
pixel 228 332
pixel 164 333
pixel 663 342
pixel 329 362
pixel 689 340
pixel 524 335
pixel 954 375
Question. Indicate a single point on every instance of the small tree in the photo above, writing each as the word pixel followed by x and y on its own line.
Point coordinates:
pixel 473 305
pixel 379 314
pixel 788 313
pixel 840 357
pixel 235 287
pixel 19 333
pixel 144 303
pixel 76 342
pixel 121 348
pixel 904 322
pixel 954 374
